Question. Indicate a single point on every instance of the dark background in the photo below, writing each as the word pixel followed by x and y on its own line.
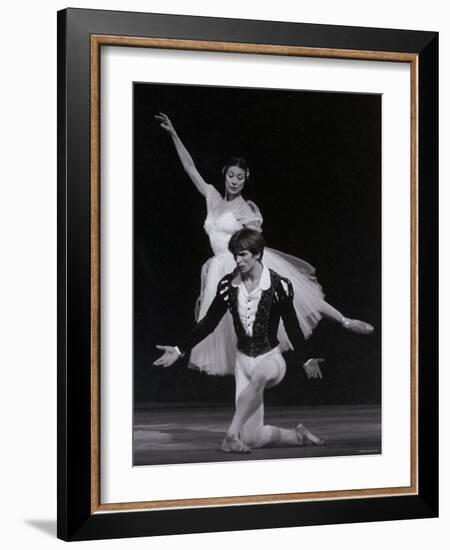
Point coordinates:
pixel 315 159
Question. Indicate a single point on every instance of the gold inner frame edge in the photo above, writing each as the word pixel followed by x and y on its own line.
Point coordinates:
pixel 97 41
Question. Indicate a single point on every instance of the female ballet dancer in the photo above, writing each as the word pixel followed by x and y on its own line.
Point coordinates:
pixel 226 215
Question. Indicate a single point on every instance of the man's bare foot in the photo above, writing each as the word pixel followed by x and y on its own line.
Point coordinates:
pixel 307 439
pixel 232 444
pixel 355 325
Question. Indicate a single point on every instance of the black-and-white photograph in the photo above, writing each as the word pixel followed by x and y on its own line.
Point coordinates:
pixel 256 274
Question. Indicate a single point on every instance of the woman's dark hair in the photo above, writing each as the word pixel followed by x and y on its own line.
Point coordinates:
pixel 240 162
pixel 247 239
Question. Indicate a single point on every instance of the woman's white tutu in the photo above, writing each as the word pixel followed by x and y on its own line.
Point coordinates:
pixel 216 354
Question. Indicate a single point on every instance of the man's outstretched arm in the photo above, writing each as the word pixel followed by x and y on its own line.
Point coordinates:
pixel 293 330
pixel 201 330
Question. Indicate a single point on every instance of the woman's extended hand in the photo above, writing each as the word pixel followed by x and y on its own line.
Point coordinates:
pixel 183 153
pixel 165 123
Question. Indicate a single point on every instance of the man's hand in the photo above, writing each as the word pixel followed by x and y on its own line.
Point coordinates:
pixel 168 358
pixel 312 368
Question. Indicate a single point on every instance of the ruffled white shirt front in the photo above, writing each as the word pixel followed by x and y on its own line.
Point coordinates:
pixel 248 301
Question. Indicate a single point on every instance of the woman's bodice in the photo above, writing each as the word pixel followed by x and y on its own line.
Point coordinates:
pixel 219 230
pixel 225 218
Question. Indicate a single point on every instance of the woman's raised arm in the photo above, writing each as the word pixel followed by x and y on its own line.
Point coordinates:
pixel 183 153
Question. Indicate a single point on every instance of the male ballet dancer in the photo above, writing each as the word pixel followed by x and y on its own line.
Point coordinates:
pixel 258 298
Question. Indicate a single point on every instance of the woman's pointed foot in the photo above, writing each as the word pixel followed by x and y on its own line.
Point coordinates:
pixel 308 439
pixel 232 444
pixel 355 325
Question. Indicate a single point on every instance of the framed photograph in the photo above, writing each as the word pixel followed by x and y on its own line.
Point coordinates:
pixel 247 270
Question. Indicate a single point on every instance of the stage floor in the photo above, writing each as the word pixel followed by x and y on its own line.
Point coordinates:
pixel 174 434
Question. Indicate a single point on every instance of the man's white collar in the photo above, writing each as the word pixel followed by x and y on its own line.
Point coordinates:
pixel 264 281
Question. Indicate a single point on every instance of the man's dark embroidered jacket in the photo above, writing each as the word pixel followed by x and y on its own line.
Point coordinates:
pixel 276 303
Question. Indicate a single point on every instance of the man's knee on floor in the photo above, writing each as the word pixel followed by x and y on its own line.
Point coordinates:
pixel 265 436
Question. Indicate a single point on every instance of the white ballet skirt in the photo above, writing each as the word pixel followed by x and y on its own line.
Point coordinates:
pixel 216 354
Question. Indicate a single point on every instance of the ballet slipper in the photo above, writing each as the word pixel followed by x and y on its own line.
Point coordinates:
pixel 355 325
pixel 307 439
pixel 232 444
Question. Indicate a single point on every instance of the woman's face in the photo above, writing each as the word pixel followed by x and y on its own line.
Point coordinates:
pixel 234 180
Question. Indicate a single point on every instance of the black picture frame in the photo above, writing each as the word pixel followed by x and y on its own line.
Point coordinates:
pixel 79 515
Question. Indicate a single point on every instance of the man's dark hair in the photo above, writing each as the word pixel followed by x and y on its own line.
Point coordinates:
pixel 247 239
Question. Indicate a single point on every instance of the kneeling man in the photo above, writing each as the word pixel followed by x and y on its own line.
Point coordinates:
pixel 257 298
